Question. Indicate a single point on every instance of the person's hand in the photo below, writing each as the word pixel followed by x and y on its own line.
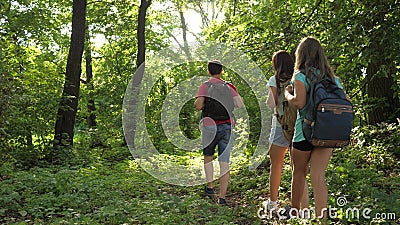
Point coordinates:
pixel 289 89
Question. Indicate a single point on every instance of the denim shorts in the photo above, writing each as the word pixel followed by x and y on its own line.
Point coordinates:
pixel 277 138
pixel 217 135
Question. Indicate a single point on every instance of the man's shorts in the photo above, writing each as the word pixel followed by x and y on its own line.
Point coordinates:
pixel 277 138
pixel 217 135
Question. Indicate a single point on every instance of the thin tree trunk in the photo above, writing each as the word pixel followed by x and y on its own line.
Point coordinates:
pixel 91 119
pixel 138 77
pixel 185 48
pixel 65 123
pixel 184 32
pixel 204 15
pixel 141 32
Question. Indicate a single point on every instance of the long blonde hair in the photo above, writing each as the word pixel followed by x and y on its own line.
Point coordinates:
pixel 310 54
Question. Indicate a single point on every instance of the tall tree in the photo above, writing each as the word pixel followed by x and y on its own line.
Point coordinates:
pixel 141 32
pixel 381 64
pixel 65 123
pixel 31 59
pixel 185 48
pixel 91 119
pixel 141 56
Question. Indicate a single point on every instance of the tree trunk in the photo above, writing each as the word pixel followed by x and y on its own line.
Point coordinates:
pixel 184 31
pixel 381 68
pixel 141 32
pixel 65 123
pixel 380 91
pixel 91 119
pixel 138 77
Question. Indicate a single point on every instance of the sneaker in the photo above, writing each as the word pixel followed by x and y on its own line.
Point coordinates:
pixel 286 212
pixel 269 205
pixel 221 201
pixel 304 214
pixel 209 191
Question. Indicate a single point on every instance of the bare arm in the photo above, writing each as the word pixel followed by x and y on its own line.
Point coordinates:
pixel 238 101
pixel 298 96
pixel 272 97
pixel 199 103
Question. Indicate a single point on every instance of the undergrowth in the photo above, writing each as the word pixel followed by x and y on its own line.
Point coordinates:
pixel 114 190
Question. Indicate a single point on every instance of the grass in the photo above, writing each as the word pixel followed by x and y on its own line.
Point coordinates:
pixel 122 193
pixel 108 191
pixel 107 194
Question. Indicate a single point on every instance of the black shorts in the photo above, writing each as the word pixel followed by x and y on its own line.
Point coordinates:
pixel 304 146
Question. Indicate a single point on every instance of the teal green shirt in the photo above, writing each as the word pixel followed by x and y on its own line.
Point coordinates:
pixel 298 130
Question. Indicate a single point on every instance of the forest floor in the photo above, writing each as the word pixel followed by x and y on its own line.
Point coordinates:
pixel 116 190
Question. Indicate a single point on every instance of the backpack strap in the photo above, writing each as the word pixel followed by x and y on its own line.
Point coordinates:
pixel 281 97
pixel 208 83
pixel 309 115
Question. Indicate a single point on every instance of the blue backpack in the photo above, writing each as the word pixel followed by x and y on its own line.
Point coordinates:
pixel 329 117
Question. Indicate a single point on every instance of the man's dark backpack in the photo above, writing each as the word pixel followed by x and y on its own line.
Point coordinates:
pixel 329 117
pixel 218 104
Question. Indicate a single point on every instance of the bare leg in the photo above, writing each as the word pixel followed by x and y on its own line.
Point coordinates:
pixel 318 163
pixel 223 179
pixel 300 161
pixel 305 202
pixel 209 170
pixel 277 155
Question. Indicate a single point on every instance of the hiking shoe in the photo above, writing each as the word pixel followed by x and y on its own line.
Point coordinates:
pixel 286 213
pixel 304 214
pixel 269 205
pixel 209 191
pixel 221 201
